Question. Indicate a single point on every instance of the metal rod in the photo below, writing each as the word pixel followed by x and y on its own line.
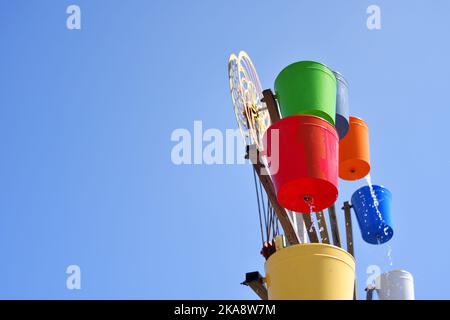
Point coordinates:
pixel 300 227
pixel 281 213
pixel 334 226
pixel 310 228
pixel 259 208
pixel 271 104
pixel 369 293
pixel 349 231
pixel 323 228
pixel 348 228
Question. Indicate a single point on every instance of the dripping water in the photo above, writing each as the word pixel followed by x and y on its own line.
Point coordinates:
pixel 382 225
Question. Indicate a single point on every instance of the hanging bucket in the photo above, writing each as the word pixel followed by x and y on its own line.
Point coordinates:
pixel 373 212
pixel 342 108
pixel 395 285
pixel 354 156
pixel 303 164
pixel 312 271
pixel 307 87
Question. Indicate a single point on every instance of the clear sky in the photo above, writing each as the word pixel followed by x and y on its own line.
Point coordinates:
pixel 86 116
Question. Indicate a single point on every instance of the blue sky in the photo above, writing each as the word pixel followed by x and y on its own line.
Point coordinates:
pixel 86 116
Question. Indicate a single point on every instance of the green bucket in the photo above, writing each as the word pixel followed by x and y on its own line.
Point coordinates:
pixel 307 87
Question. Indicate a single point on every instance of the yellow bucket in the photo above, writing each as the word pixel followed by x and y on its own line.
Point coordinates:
pixel 312 271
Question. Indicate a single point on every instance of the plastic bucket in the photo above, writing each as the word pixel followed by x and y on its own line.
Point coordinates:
pixel 373 212
pixel 304 165
pixel 395 285
pixel 342 108
pixel 307 87
pixel 310 271
pixel 354 155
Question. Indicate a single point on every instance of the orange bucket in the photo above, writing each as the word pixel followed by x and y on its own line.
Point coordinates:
pixel 354 156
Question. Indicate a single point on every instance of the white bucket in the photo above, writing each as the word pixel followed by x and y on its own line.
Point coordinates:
pixel 395 285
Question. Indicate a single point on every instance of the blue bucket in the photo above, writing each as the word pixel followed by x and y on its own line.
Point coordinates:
pixel 374 220
pixel 342 108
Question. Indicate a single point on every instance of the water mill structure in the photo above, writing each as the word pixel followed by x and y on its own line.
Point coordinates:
pixel 300 139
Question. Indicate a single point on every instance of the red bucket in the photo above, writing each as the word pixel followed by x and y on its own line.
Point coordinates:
pixel 305 173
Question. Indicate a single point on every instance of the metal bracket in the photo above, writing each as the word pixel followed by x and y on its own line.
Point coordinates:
pixel 369 293
pixel 256 282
